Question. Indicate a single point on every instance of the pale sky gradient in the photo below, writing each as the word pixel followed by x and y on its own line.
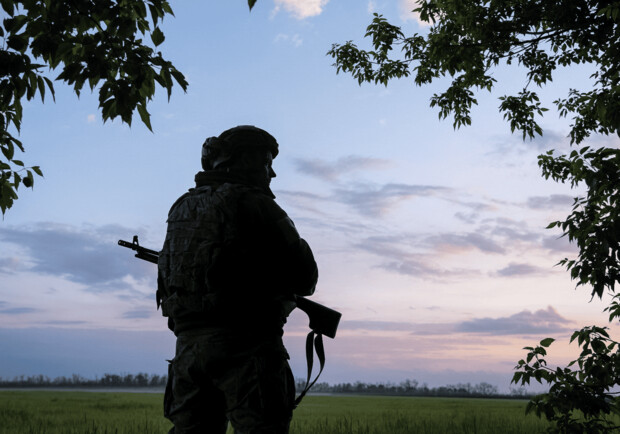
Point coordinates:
pixel 430 241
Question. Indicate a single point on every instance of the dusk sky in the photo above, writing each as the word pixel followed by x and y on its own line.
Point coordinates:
pixel 430 241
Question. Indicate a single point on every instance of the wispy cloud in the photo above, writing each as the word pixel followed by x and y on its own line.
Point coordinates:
pixel 366 199
pixel 89 256
pixel 301 9
pixel 522 323
pixel 294 40
pixel 18 310
pixel 374 202
pixel 9 265
pixel 554 201
pixel 426 256
pixel 393 249
pixel 138 314
pixel 521 270
pixel 514 233
pixel 422 269
pixel 377 326
pixel 550 140
pixel 330 171
pixel 467 217
pixel 454 243
pixel 63 322
pixel 506 149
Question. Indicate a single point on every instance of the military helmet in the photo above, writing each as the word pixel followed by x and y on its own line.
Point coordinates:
pixel 218 150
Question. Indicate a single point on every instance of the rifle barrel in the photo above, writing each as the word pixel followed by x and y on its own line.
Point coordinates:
pixel 137 247
pixel 141 252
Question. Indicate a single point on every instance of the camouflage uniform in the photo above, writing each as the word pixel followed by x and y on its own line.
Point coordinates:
pixel 230 266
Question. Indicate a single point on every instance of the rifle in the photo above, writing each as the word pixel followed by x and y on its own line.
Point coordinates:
pixel 323 320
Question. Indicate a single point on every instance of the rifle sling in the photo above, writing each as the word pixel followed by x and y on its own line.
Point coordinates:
pixel 314 341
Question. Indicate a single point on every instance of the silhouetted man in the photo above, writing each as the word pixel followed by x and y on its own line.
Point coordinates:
pixel 229 270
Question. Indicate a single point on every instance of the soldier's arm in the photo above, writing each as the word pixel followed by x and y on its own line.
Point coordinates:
pixel 304 272
pixel 286 255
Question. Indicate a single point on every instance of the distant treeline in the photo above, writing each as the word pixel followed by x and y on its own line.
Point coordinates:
pixel 108 380
pixel 413 388
pixel 404 388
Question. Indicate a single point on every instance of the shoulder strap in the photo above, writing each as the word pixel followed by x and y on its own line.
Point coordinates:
pixel 314 341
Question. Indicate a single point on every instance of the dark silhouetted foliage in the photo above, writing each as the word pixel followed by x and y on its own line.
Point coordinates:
pixel 96 43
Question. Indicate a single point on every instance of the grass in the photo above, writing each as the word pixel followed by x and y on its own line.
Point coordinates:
pixel 51 412
pixel 395 415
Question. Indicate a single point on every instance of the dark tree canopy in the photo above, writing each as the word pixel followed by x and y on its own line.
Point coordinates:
pixel 108 45
pixel 99 42
pixel 466 42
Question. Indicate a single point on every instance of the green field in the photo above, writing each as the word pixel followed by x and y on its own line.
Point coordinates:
pixel 50 412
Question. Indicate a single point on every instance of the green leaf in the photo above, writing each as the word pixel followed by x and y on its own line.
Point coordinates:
pixel 7 195
pixel 16 180
pixel 27 181
pixel 18 23
pixel 251 3
pixel 145 116
pixel 8 150
pixel 180 78
pixel 50 85
pixel 599 346
pixel 546 342
pixel 41 86
pixel 18 42
pixel 9 8
pixel 157 36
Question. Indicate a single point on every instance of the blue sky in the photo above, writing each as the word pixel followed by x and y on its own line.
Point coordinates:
pixel 430 241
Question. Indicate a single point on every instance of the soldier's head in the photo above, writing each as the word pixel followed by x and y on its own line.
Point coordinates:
pixel 246 150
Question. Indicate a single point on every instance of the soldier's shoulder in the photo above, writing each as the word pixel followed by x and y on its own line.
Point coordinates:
pixel 178 202
pixel 260 204
pixel 187 196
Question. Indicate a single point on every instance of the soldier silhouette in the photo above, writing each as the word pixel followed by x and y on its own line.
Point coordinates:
pixel 231 265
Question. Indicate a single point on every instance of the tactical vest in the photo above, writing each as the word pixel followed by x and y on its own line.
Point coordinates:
pixel 199 223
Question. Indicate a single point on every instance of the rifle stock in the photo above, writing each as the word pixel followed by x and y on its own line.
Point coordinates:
pixel 323 320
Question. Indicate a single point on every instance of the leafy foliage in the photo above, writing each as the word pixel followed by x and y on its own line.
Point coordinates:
pixel 581 395
pixel 579 400
pixel 466 42
pixel 94 42
pixel 593 223
pixel 469 39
